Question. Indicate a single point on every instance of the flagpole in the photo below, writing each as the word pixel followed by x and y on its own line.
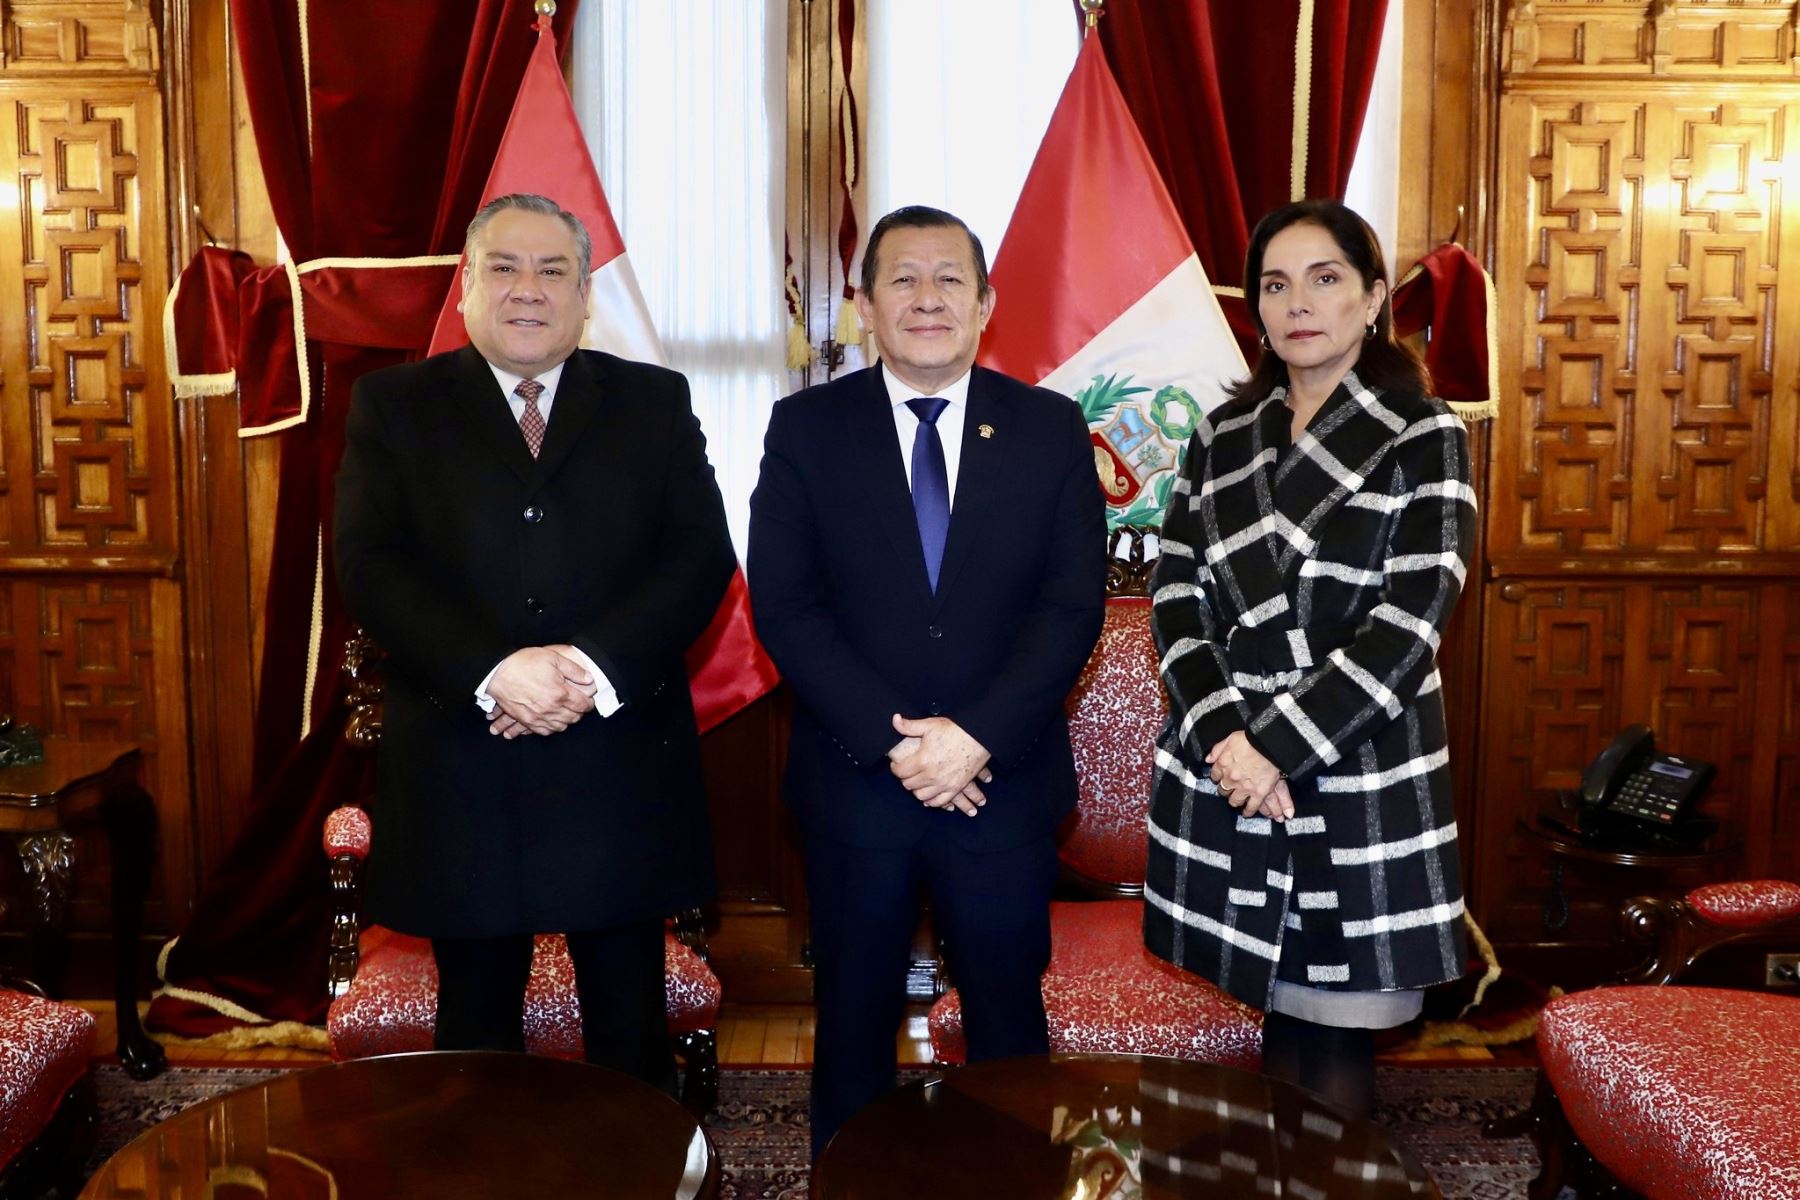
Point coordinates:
pixel 545 10
pixel 1092 10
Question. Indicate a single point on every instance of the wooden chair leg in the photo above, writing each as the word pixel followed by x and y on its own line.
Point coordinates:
pixel 82 1131
pixel 1543 1123
pixel 699 1050
pixel 1562 1159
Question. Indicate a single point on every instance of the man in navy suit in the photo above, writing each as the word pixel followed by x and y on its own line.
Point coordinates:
pixel 927 568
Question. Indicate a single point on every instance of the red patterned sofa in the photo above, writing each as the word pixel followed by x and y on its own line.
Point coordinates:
pixel 1677 1092
pixel 47 1121
pixel 384 984
pixel 1103 992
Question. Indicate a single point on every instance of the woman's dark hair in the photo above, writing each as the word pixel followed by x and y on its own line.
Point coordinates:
pixel 1385 363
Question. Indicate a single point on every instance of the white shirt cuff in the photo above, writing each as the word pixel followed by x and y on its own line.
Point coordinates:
pixel 483 701
pixel 606 697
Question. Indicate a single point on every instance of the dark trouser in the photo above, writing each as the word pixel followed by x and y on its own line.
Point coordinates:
pixel 618 979
pixel 992 911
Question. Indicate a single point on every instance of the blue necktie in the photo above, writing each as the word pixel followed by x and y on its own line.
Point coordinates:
pixel 930 483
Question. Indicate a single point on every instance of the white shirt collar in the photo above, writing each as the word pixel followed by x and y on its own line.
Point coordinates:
pixel 899 391
pixel 508 381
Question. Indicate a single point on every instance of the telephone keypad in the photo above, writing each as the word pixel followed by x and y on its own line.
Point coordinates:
pixel 1645 796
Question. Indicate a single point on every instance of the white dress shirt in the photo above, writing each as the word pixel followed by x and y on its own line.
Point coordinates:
pixel 949 422
pixel 606 697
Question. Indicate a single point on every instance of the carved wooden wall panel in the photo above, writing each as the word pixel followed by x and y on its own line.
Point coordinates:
pixel 90 608
pixel 1570 662
pixel 1782 824
pixel 1578 262
pixel 1644 523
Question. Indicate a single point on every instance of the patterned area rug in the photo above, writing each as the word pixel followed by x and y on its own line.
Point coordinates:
pixel 760 1124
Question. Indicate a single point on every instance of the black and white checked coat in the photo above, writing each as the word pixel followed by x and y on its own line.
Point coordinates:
pixel 1300 597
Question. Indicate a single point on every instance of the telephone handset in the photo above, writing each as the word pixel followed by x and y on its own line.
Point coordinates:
pixel 1630 792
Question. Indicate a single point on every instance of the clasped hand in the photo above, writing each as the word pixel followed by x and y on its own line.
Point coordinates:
pixel 541 690
pixel 1249 781
pixel 939 764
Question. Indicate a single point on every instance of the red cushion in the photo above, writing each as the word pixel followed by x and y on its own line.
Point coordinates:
pixel 347 832
pixel 44 1050
pixel 1104 993
pixel 1681 1091
pixel 391 1006
pixel 1116 710
pixel 1747 902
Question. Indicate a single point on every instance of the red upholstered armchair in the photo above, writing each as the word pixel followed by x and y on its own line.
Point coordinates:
pixel 384 984
pixel 1677 1092
pixel 47 1122
pixel 1104 992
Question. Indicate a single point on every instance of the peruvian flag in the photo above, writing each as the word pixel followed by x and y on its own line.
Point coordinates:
pixel 1101 296
pixel 543 151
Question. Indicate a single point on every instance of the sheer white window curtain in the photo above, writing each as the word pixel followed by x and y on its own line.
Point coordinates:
pixel 1374 187
pixel 684 107
pixel 959 97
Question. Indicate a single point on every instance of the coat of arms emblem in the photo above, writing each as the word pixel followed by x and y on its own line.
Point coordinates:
pixel 1139 437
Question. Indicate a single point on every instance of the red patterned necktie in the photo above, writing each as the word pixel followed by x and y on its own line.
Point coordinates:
pixel 531 422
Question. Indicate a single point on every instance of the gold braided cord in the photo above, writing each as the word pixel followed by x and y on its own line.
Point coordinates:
pixel 306 72
pixel 316 636
pixel 421 260
pixel 1303 61
pixel 1491 407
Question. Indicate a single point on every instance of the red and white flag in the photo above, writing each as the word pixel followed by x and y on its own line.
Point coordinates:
pixel 543 151
pixel 1101 296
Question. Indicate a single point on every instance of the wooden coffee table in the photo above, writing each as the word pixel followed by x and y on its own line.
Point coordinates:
pixel 451 1126
pixel 1035 1127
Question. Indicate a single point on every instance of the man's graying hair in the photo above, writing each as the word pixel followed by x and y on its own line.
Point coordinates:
pixel 543 206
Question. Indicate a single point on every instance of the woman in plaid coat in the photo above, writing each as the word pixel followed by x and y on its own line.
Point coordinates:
pixel 1302 844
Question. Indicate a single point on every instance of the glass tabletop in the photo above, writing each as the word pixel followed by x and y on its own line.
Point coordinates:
pixel 1119 1126
pixel 444 1125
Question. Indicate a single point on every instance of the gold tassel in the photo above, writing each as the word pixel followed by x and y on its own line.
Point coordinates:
pixel 1461 1033
pixel 290 1034
pixel 849 328
pixel 800 353
pixel 1484 948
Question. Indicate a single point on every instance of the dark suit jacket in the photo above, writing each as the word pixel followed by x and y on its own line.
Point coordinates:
pixel 453 549
pixel 842 603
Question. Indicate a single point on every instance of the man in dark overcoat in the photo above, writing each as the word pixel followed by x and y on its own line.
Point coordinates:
pixel 927 568
pixel 533 534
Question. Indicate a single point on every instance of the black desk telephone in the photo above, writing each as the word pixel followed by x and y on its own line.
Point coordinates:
pixel 1630 794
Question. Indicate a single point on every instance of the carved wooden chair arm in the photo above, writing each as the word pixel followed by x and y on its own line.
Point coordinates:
pixel 1681 932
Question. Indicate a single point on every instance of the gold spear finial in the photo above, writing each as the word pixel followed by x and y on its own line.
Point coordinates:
pixel 1093 10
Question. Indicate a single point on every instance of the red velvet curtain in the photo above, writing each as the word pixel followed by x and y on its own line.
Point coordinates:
pixel 1211 83
pixel 390 165
pixel 375 140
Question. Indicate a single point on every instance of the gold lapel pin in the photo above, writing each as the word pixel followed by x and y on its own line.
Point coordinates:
pixel 986 431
